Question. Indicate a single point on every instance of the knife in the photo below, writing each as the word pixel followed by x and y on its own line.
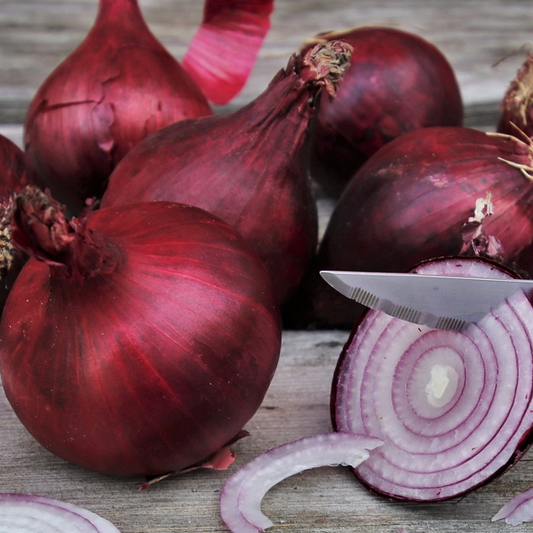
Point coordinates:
pixel 440 302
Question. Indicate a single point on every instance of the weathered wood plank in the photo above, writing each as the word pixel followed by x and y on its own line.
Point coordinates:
pixel 325 500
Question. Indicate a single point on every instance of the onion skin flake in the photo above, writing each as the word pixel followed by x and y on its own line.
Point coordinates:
pixel 454 409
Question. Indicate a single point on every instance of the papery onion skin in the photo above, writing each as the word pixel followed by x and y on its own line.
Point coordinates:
pixel 118 86
pixel 412 201
pixel 248 167
pixel 224 49
pixel 32 513
pixel 397 82
pixel 137 341
pixel 516 117
pixel 435 451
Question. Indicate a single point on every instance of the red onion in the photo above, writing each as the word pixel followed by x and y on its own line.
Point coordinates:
pixel 517 510
pixel 248 167
pixel 397 82
pixel 517 106
pixel 240 500
pixel 454 410
pixel 223 51
pixel 30 513
pixel 119 85
pixel 431 192
pixel 153 324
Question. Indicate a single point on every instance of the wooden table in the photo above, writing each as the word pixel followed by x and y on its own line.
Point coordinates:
pixel 34 36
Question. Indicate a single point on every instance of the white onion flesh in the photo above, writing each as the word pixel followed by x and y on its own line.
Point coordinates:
pixel 30 513
pixel 240 501
pixel 454 409
pixel 517 510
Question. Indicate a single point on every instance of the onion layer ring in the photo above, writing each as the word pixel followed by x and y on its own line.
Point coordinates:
pixel 454 409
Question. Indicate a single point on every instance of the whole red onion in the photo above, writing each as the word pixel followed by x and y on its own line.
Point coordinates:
pixel 137 340
pixel 397 82
pixel 119 85
pixel 517 107
pixel 248 167
pixel 429 193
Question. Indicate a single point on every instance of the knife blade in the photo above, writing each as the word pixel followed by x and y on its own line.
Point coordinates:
pixel 440 302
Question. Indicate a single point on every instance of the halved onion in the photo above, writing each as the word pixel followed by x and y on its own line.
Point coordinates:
pixel 240 500
pixel 31 513
pixel 454 409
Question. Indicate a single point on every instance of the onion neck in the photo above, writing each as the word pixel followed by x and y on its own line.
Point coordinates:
pixel 117 9
pixel 122 21
pixel 323 66
pixel 284 112
pixel 307 74
pixel 38 226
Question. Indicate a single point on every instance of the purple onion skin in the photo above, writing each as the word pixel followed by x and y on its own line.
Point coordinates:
pixel 409 203
pixel 145 352
pixel 118 86
pixel 248 168
pixel 397 82
pixel 516 117
pixel 524 443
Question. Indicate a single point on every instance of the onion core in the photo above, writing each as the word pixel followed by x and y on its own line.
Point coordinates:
pixel 454 409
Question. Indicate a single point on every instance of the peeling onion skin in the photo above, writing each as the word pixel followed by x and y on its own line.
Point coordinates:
pixel 249 167
pixel 224 49
pixel 439 445
pixel 118 86
pixel 516 117
pixel 410 202
pixel 31 513
pixel 397 82
pixel 138 340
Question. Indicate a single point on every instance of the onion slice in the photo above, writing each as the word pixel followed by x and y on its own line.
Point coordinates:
pixel 30 513
pixel 517 510
pixel 240 501
pixel 454 409
pixel 224 49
